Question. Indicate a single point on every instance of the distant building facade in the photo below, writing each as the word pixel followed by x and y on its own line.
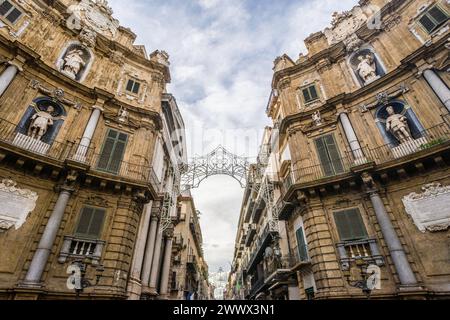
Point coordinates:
pixel 359 158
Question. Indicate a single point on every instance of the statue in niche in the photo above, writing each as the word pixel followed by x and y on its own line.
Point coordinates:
pixel 367 68
pixel 73 63
pixel 317 118
pixel 397 124
pixel 40 122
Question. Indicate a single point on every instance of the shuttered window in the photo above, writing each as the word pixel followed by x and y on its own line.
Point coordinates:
pixel 90 222
pixel 329 155
pixel 350 225
pixel 302 247
pixel 9 11
pixel 112 152
pixel 310 94
pixel 133 86
pixel 433 19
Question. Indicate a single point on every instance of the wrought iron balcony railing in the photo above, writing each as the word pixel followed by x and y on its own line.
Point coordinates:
pixel 366 249
pixel 81 248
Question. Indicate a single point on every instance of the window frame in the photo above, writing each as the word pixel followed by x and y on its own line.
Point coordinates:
pixel 331 163
pixel 364 225
pixel 102 225
pixel 135 82
pixel 14 6
pixel 308 89
pixel 427 14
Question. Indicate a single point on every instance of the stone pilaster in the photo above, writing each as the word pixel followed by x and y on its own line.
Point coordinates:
pixel 438 86
pixel 9 74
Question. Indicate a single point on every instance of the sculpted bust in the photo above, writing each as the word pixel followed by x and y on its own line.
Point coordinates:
pixel 397 124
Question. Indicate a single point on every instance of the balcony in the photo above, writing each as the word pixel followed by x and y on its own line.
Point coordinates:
pixel 431 140
pixel 366 249
pixel 192 263
pixel 178 241
pixel 284 209
pixel 73 154
pixel 261 244
pixel 79 248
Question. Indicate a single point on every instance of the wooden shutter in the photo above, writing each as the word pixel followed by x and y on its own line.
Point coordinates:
pixel 5 7
pixel 334 155
pixel 438 15
pixel 113 150
pixel 323 157
pixel 90 222
pixel 350 225
pixel 302 247
pixel 427 23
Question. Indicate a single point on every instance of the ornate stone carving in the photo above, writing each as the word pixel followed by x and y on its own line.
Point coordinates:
pixel 317 118
pixel 397 124
pixel 73 63
pixel 345 24
pixel 353 43
pixel 16 204
pixel 367 68
pixel 97 201
pixel 57 93
pixel 161 57
pixel 368 180
pixel 95 14
pixel 40 122
pixel 430 209
pixel 88 37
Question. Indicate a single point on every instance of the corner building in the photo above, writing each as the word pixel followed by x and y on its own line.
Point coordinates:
pixel 89 167
pixel 362 154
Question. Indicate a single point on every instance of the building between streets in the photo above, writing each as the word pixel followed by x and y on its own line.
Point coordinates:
pixel 354 173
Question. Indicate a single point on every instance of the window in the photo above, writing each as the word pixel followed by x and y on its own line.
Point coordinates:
pixel 302 247
pixel 113 150
pixel 350 225
pixel 329 155
pixel 309 294
pixel 433 19
pixel 133 86
pixel 9 11
pixel 310 94
pixel 90 223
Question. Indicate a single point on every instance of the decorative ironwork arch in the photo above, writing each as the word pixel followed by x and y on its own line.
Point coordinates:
pixel 219 162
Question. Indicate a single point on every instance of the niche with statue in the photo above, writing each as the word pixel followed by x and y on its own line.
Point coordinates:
pixel 366 66
pixel 75 61
pixel 40 125
pixel 400 128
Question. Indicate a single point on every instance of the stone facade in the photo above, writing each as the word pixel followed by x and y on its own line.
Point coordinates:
pixel 361 170
pixel 88 167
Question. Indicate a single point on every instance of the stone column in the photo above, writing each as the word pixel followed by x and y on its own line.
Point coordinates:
pixel 155 263
pixel 88 134
pixel 166 265
pixel 40 258
pixel 149 252
pixel 134 285
pixel 398 255
pixel 351 137
pixel 8 76
pixel 438 86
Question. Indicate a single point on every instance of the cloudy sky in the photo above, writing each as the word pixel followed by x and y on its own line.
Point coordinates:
pixel 222 54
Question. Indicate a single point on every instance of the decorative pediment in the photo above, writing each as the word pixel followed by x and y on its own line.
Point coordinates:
pixel 95 14
pixel 57 94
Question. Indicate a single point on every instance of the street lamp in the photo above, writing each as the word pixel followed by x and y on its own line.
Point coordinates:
pixel 368 277
pixel 77 280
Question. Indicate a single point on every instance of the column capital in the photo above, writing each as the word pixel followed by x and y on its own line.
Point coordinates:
pixel 98 107
pixel 17 62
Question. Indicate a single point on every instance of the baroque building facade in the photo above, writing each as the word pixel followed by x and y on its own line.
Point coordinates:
pixel 359 163
pixel 91 148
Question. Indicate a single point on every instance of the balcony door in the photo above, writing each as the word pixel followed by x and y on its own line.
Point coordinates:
pixel 112 152
pixel 329 156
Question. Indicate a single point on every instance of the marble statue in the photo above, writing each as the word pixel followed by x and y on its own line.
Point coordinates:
pixel 73 63
pixel 367 68
pixel 397 124
pixel 317 118
pixel 40 122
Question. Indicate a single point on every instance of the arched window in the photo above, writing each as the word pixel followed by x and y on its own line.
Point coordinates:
pixel 42 120
pixel 393 118
pixel 367 66
pixel 75 61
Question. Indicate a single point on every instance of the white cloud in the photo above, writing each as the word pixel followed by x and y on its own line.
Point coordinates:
pixel 222 56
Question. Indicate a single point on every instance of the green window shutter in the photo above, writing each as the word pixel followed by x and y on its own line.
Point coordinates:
pixel 438 15
pixel 350 225
pixel 112 153
pixel 90 222
pixel 427 23
pixel 5 7
pixel 334 155
pixel 302 247
pixel 323 156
